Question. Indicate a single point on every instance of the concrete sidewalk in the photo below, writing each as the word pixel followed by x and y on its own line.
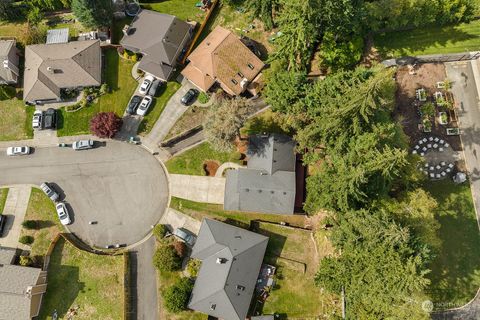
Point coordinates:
pixel 175 219
pixel 197 188
pixel 15 208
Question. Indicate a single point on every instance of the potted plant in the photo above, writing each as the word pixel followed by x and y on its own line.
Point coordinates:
pixel 427 125
pixel 443 118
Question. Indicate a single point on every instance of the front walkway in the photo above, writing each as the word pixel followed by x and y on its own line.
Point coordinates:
pixel 15 208
pixel 197 188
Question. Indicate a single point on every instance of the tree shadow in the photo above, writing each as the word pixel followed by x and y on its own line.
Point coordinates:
pixel 63 285
pixel 111 69
pixel 60 120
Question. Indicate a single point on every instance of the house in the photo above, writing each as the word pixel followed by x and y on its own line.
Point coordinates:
pixel 53 69
pixel 224 59
pixel 160 38
pixel 21 288
pixel 268 183
pixel 231 260
pixel 9 56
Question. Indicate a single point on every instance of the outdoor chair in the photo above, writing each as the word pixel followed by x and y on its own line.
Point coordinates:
pixel 432 168
pixel 429 146
pixel 430 138
pixel 446 145
pixel 424 149
pixel 422 154
pixel 443 163
pixel 420 141
pixel 440 149
pixel 432 175
pixel 417 147
pixel 438 167
pixel 436 139
pixel 435 146
pixel 450 165
pixel 414 152
pixel 442 141
pixel 438 176
pixel 448 170
pixel 443 174
pixel 426 165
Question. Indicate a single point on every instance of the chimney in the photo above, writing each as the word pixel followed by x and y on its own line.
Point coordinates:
pixel 221 260
pixel 126 29
pixel 243 83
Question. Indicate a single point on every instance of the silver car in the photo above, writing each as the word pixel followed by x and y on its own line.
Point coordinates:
pixel 18 151
pixel 52 194
pixel 82 144
pixel 185 235
pixel 37 119
pixel 63 213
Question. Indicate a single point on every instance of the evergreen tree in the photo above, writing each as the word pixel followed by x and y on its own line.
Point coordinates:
pixel 93 13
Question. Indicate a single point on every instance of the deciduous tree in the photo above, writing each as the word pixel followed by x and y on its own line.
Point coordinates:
pixel 93 13
pixel 105 124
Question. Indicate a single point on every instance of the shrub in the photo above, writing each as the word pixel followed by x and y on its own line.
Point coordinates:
pixel 180 248
pixel 134 57
pixel 166 259
pixel 203 97
pixel 428 109
pixel 104 89
pixel 193 267
pixel 159 231
pixel 176 297
pixel 29 224
pixel 126 55
pixel 26 239
pixel 105 124
pixel 25 261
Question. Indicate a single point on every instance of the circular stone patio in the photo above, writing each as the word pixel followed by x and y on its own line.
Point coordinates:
pixel 439 157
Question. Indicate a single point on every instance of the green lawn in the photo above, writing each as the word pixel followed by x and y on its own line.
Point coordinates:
pixel 12 29
pixel 3 198
pixel 121 83
pixel 42 210
pixel 267 121
pixel 182 9
pixel 15 120
pixel 191 162
pixel 455 272
pixel 199 210
pixel 293 252
pixel 157 107
pixel 430 40
pixel 93 283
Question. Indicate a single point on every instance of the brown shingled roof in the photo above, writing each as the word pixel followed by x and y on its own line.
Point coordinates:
pixel 222 57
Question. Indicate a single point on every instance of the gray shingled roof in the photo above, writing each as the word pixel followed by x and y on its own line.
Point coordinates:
pixel 224 288
pixel 157 36
pixel 6 53
pixel 268 183
pixel 7 255
pixel 51 67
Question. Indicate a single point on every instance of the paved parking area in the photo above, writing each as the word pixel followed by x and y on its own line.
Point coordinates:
pixel 119 186
pixel 175 219
pixel 198 188
pixel 15 208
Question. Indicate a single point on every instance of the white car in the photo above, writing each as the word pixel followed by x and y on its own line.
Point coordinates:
pixel 18 151
pixel 82 144
pixel 37 119
pixel 147 82
pixel 63 213
pixel 144 105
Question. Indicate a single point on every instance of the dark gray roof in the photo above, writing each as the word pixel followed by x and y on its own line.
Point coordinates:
pixel 267 317
pixel 157 36
pixel 57 36
pixel 224 288
pixel 7 255
pixel 271 152
pixel 268 183
pixel 8 53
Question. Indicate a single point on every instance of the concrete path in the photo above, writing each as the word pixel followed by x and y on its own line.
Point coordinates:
pixel 146 279
pixel 176 219
pixel 224 166
pixel 197 188
pixel 15 208
pixel 172 112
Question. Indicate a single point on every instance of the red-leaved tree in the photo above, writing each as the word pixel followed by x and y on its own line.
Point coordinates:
pixel 105 124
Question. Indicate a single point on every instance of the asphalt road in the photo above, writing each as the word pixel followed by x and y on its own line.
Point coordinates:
pixel 120 186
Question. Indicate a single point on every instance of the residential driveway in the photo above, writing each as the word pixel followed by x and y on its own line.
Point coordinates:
pixel 175 219
pixel 15 208
pixel 120 187
pixel 464 87
pixel 172 112
pixel 197 188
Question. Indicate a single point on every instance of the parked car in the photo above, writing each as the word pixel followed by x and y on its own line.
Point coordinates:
pixel 144 105
pixel 185 235
pixel 82 144
pixel 37 119
pixel 50 119
pixel 189 97
pixel 18 151
pixel 49 191
pixel 154 88
pixel 3 220
pixel 147 82
pixel 63 213
pixel 133 104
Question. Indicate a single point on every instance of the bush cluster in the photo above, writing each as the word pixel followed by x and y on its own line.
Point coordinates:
pixel 166 258
pixel 159 231
pixel 176 297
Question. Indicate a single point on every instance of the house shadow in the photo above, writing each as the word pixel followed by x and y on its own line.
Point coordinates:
pixel 276 242
pixel 111 69
pixel 63 285
pixel 60 120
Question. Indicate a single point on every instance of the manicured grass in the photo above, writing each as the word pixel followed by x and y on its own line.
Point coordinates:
pixel 93 283
pixel 199 210
pixel 191 161
pixel 3 198
pixel 193 117
pixel 267 121
pixel 121 84
pixel 42 210
pixel 182 9
pixel 430 40
pixel 13 120
pixel 293 252
pixel 456 268
pixel 12 29
pixel 157 107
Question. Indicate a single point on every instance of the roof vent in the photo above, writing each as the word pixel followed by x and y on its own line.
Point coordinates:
pixel 50 69
pixel 239 287
pixel 221 260
pixel 263 173
pixel 213 306
pixel 247 190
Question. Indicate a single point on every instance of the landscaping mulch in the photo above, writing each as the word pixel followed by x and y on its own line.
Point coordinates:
pixel 427 75
pixel 210 167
